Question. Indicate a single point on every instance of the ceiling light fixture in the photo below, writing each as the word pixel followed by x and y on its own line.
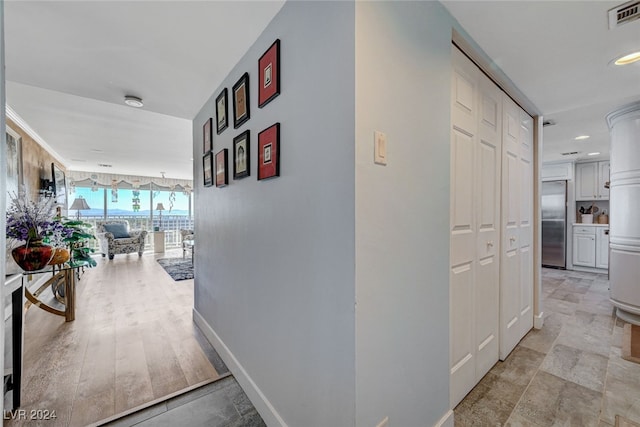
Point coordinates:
pixel 595 153
pixel 581 137
pixel 628 59
pixel 133 101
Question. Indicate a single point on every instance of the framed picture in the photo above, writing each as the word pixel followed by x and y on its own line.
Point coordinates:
pixel 241 155
pixel 59 185
pixel 269 152
pixel 221 111
pixel 269 74
pixel 207 136
pixel 14 184
pixel 241 101
pixel 207 169
pixel 222 176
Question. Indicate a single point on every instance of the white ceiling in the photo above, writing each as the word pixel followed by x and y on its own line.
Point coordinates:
pixel 70 63
pixel 557 53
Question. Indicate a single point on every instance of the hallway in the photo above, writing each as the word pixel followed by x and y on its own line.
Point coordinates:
pixel 568 373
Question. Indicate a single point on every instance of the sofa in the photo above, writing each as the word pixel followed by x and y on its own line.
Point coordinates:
pixel 115 237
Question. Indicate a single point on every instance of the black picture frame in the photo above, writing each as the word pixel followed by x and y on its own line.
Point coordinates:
pixel 222 116
pixel 269 152
pixel 207 136
pixel 241 101
pixel 269 74
pixel 207 169
pixel 242 155
pixel 222 168
pixel 59 184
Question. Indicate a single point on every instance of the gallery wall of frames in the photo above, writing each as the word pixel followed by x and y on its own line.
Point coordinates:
pixel 215 163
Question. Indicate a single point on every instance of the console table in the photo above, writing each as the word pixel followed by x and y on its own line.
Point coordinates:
pixel 63 285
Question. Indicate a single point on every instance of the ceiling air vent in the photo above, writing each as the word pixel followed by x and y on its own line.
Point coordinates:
pixel 548 123
pixel 571 153
pixel 624 14
pixel 103 165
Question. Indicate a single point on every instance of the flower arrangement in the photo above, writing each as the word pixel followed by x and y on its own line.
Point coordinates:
pixel 30 221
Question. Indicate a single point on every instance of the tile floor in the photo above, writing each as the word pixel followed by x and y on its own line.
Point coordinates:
pixel 569 373
pixel 219 404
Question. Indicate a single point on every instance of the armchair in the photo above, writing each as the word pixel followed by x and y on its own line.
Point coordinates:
pixel 116 238
pixel 188 241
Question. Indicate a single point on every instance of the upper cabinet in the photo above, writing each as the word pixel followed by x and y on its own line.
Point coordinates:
pixel 590 181
pixel 557 171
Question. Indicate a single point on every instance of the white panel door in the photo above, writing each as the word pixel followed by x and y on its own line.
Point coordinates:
pixel 516 264
pixel 526 223
pixel 487 208
pixel 475 217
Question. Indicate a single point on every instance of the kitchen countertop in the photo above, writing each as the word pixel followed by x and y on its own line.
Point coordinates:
pixel 590 225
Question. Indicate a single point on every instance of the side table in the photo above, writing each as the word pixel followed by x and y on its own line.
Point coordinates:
pixel 158 242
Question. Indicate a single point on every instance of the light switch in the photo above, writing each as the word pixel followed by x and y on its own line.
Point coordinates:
pixel 379 148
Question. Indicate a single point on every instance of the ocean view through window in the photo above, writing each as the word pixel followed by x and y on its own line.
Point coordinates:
pixel 137 206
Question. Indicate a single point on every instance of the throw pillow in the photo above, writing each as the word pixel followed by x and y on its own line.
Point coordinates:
pixel 119 231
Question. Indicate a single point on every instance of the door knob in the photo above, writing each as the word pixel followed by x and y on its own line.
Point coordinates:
pixel 490 243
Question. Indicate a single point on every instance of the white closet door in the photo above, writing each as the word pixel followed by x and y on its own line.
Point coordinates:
pixel 516 277
pixel 475 217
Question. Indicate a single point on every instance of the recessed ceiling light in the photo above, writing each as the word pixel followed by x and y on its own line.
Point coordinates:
pixel 133 101
pixel 628 59
pixel 581 137
pixel 595 153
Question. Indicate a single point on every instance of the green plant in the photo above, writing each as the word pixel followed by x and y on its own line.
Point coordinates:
pixel 77 241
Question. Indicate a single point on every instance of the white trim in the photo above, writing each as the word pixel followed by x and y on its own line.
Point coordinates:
pixel 538 320
pixel 33 134
pixel 259 400
pixel 446 420
pixel 590 269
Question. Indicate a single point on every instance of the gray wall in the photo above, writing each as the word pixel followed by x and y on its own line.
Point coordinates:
pixel 403 69
pixel 275 261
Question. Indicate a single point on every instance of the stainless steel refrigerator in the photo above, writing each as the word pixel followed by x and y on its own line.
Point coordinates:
pixel 554 224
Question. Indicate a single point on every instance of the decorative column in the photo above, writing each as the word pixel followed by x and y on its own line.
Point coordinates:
pixel 624 234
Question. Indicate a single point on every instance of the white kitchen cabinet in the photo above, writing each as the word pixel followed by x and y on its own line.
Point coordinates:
pixel 590 180
pixel 584 246
pixel 557 171
pixel 591 246
pixel 602 247
pixel 603 178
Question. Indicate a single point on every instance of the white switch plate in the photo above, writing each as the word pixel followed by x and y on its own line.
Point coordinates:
pixel 379 148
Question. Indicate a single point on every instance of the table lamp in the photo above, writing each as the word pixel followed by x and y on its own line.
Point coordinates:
pixel 79 204
pixel 160 208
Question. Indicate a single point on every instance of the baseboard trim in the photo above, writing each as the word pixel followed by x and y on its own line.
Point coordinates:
pixel 538 320
pixel 446 420
pixel 253 392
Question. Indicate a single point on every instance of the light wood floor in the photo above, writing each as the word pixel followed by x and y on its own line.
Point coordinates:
pixel 133 341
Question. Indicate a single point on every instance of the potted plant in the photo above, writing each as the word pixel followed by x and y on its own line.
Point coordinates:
pixel 48 239
pixel 31 222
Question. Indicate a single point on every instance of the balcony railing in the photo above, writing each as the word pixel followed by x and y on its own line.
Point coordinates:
pixel 171 225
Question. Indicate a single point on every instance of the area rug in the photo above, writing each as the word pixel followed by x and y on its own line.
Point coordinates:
pixel 177 268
